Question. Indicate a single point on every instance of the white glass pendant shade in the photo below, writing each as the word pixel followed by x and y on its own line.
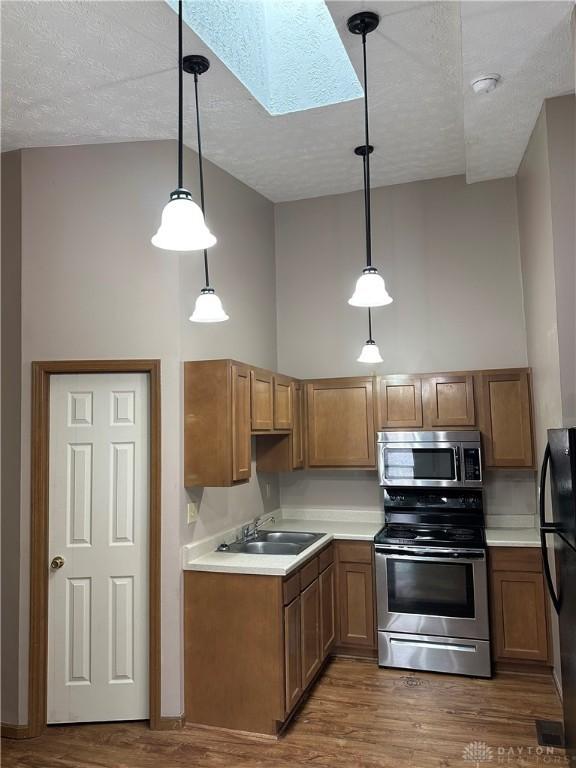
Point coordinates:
pixel 370 290
pixel 208 308
pixel 370 353
pixel 183 227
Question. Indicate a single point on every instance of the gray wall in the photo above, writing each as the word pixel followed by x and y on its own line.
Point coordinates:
pixel 94 287
pixel 10 415
pixel 450 255
pixel 546 225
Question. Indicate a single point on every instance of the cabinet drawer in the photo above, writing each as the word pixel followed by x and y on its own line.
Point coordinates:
pixel 291 587
pixel 308 573
pixel 325 558
pixel 527 559
pixel 355 551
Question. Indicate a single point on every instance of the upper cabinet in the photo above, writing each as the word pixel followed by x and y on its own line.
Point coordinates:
pixel 449 401
pixel 400 402
pixel 332 423
pixel 340 422
pixel 262 389
pixel 507 421
pixel 216 423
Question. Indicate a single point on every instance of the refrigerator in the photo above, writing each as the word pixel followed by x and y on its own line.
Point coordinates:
pixel 558 529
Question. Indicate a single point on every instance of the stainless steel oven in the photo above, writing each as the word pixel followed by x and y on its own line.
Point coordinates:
pixel 433 609
pixel 430 459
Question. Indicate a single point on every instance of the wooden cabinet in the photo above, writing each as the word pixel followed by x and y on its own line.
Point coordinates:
pixel 356 606
pixel 292 653
pixel 310 631
pixel 449 401
pixel 400 402
pixel 507 419
pixel 327 610
pixel 518 605
pixel 283 402
pixel 216 423
pixel 340 421
pixel 262 399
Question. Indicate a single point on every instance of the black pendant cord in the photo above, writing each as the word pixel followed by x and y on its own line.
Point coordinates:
pixel 180 100
pixel 370 325
pixel 201 172
pixel 367 202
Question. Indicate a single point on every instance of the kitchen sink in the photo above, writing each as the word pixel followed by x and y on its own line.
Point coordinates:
pixel 275 543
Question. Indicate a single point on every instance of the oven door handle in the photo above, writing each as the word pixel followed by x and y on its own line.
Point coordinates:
pixel 444 556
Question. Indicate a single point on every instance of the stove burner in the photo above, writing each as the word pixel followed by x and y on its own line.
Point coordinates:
pixel 437 535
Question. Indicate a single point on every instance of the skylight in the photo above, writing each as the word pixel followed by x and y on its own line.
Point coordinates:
pixel 287 53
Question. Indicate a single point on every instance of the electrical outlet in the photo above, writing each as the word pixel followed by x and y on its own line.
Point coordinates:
pixel 192 512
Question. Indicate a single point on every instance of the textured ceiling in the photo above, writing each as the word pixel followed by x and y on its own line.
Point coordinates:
pixel 85 72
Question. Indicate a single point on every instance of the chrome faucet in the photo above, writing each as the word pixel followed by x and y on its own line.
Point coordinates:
pixel 250 531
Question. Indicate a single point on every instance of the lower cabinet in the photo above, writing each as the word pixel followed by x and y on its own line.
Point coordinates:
pixel 253 645
pixel 518 606
pixel 356 603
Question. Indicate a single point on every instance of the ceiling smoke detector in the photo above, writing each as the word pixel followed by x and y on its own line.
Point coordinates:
pixel 485 84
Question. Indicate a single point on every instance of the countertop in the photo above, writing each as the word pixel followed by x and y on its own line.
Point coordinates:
pixel 281 565
pixel 513 537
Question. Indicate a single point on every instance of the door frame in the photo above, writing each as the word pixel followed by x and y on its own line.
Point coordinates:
pixel 40 437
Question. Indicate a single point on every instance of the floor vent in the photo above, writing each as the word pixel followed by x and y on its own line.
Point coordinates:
pixel 550 733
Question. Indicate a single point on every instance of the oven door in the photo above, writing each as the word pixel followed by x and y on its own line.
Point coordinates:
pixel 432 592
pixel 431 465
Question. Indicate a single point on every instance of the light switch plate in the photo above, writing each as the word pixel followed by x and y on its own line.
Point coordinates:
pixel 192 512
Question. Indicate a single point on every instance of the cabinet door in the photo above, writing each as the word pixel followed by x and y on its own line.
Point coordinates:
pixel 310 630
pixel 292 654
pixel 327 610
pixel 297 425
pixel 282 402
pixel 241 446
pixel 507 420
pixel 519 616
pixel 400 402
pixel 262 388
pixel 449 401
pixel 340 423
pixel 356 605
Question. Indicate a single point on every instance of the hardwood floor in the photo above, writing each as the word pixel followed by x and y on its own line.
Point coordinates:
pixel 358 716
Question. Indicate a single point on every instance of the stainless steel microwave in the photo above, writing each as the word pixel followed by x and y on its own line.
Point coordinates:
pixel 430 459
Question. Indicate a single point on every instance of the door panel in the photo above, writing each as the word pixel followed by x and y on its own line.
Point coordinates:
pixel 262 400
pixel 98 524
pixel 520 626
pixel 310 627
pixel 340 423
pixel 508 428
pixel 356 604
pixel 282 402
pixel 400 402
pixel 327 602
pixel 298 426
pixel 241 439
pixel 449 401
pixel 292 653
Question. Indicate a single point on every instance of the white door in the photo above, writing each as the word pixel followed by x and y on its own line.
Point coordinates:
pixel 98 519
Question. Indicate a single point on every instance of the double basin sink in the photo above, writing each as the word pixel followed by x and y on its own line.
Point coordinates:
pixel 276 543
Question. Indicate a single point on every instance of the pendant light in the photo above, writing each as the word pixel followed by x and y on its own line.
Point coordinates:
pixel 370 287
pixel 370 352
pixel 208 308
pixel 182 227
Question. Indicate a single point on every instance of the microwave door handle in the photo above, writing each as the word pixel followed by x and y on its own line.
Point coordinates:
pixel 457 463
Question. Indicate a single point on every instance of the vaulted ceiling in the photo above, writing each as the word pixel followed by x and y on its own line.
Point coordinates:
pixel 91 71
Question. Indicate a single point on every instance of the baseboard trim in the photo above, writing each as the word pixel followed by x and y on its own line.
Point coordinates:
pixel 14 731
pixel 355 652
pixel 169 724
pixel 524 668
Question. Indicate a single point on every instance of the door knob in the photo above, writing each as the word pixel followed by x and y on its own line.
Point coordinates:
pixel 57 562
